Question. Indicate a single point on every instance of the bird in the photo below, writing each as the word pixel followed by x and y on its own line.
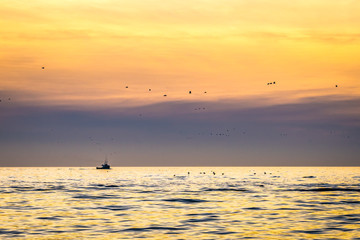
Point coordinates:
pixel 126 87
pixel 336 85
pixel 42 67
pixel 149 89
pixel 205 92
pixel 189 92
pixel 165 95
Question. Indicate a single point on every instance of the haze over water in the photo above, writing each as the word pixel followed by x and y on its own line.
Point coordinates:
pixel 169 203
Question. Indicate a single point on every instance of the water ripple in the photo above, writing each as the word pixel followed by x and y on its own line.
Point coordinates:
pixel 129 203
pixel 327 190
pixel 115 208
pixel 49 218
pixel 206 219
pixel 185 200
pixel 225 190
pixel 155 228
pixel 105 196
pixel 10 232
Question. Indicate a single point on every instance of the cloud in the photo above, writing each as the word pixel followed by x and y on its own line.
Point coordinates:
pixel 317 114
pixel 253 108
pixel 323 129
pixel 338 37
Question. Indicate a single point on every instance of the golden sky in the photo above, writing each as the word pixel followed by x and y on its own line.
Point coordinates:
pixel 92 49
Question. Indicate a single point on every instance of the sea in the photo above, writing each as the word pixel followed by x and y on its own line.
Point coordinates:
pixel 180 203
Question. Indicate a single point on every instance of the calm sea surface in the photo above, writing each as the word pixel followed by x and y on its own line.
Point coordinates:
pixel 169 203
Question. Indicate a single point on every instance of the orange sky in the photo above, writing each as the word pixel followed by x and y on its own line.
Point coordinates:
pixel 92 49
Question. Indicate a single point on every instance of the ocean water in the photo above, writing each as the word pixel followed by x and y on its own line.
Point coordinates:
pixel 180 203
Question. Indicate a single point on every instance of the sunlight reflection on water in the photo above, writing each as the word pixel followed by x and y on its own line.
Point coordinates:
pixel 167 202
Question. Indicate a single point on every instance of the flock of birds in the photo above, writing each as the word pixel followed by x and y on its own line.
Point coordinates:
pixel 223 133
pixel 165 95
pixel 212 172
pixel 9 99
pixel 252 173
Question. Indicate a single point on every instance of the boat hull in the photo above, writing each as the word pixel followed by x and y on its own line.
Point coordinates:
pixel 102 167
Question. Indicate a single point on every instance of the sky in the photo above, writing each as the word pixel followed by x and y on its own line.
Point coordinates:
pixel 85 80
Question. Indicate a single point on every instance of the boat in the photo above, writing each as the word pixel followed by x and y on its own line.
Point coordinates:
pixel 105 165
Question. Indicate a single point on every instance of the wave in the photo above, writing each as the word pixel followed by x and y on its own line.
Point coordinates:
pixel 49 218
pixel 219 232
pixel 200 214
pixel 107 186
pixel 225 190
pixel 253 208
pixel 315 231
pixel 206 219
pixel 185 200
pixel 84 196
pixel 115 208
pixel 348 218
pixel 29 188
pixel 10 232
pixel 155 228
pixel 326 189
